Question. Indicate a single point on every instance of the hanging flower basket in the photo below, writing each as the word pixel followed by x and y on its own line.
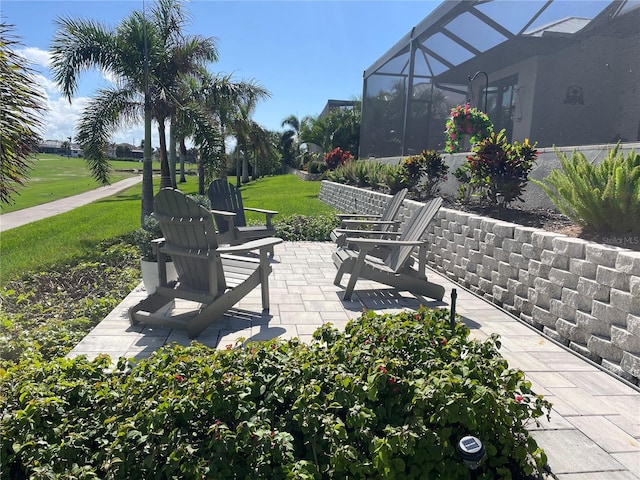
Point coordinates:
pixel 465 120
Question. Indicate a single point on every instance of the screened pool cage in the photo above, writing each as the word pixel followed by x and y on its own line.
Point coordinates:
pixel 557 72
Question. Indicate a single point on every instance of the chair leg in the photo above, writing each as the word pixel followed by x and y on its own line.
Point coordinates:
pixel 265 270
pixel 338 277
pixel 353 278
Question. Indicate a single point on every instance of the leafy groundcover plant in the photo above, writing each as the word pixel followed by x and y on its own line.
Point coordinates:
pixel 46 313
pixel 389 397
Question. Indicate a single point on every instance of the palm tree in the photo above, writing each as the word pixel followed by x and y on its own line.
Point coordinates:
pixel 195 121
pixel 289 139
pixel 21 108
pixel 315 131
pixel 224 99
pixel 213 101
pixel 149 56
pixel 265 149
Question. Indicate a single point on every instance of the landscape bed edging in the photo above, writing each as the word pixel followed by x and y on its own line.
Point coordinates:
pixel 582 294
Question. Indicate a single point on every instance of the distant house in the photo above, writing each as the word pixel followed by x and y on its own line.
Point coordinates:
pixel 124 151
pixel 338 104
pixel 57 147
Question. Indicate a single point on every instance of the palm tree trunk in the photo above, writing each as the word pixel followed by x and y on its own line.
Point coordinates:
pixel 222 171
pixel 201 175
pixel 255 167
pixel 238 169
pixel 165 174
pixel 183 156
pixel 147 170
pixel 173 157
pixel 245 164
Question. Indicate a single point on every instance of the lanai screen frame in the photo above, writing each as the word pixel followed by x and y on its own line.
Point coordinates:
pixel 409 91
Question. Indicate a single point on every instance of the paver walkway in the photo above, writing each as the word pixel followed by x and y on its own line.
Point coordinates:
pixel 594 432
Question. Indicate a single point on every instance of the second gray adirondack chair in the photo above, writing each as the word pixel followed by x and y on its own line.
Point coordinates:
pixel 229 214
pixel 385 222
pixel 395 268
pixel 211 277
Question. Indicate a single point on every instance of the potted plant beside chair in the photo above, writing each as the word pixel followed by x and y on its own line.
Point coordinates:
pixel 146 238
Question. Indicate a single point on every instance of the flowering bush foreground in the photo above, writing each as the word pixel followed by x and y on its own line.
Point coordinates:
pixel 389 397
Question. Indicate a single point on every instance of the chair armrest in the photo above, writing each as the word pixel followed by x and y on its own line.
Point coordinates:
pixel 174 251
pixel 261 210
pixel 156 243
pixel 366 233
pixel 370 243
pixel 357 215
pixel 223 213
pixel 353 223
pixel 258 244
pixel 268 214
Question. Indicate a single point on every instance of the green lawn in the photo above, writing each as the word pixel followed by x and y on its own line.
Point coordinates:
pixel 42 244
pixel 53 177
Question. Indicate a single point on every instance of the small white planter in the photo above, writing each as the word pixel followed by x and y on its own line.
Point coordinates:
pixel 150 276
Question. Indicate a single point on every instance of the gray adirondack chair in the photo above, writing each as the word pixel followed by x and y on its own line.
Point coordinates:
pixel 352 224
pixel 211 277
pixel 228 212
pixel 395 268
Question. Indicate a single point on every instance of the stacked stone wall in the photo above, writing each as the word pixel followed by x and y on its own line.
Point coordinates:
pixel 582 294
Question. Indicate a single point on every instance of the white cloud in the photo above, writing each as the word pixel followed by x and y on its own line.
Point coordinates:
pixel 110 77
pixel 62 116
pixel 49 86
pixel 36 56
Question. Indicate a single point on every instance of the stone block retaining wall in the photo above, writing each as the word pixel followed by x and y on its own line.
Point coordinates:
pixel 302 175
pixel 582 294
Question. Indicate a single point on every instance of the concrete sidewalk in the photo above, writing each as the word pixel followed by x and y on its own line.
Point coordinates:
pixel 39 212
pixel 594 432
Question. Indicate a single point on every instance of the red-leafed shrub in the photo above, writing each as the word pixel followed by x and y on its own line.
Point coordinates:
pixel 337 157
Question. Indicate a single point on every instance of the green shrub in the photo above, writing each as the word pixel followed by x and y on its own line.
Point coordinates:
pixel 424 173
pixel 143 236
pixel 389 397
pixel 497 170
pixel 357 173
pixel 361 173
pixel 316 167
pixel 604 198
pixel 395 178
pixel 306 228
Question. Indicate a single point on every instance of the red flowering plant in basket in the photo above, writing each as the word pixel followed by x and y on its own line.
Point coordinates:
pixel 337 157
pixel 465 120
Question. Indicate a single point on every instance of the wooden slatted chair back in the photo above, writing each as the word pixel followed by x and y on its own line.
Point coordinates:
pixel 227 197
pixel 391 210
pixel 413 230
pixel 187 225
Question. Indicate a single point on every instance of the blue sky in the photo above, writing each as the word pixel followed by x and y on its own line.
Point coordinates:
pixel 303 52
